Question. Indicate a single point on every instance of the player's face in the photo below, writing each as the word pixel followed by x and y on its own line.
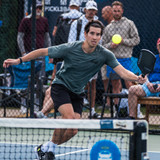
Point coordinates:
pixel 117 12
pixel 93 36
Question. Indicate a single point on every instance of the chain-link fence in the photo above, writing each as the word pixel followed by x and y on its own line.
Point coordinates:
pixel 140 29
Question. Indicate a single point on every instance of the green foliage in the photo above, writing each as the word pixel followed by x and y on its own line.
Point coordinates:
pixel 8 30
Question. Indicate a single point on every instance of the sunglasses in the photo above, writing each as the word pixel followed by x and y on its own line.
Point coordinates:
pixel 39 7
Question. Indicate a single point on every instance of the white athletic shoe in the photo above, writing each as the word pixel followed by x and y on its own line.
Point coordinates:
pixel 23 110
pixel 140 115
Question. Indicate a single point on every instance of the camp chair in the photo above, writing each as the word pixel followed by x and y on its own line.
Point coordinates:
pixel 16 92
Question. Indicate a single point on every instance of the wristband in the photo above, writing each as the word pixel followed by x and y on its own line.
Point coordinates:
pixel 20 59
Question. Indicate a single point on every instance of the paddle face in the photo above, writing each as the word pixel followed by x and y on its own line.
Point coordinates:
pixel 146 61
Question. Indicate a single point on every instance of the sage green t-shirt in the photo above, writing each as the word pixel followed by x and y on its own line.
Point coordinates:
pixel 79 67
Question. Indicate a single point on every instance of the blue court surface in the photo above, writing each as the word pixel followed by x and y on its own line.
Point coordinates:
pixel 18 152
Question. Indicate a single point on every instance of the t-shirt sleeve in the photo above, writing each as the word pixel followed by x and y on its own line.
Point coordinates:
pixel 111 60
pixel 59 51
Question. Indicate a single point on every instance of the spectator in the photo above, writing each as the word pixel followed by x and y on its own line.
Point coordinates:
pixel 123 51
pixel 90 14
pixel 147 89
pixel 42 32
pixel 42 38
pixel 107 15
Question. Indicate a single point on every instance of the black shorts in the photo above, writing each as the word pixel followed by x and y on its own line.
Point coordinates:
pixel 62 95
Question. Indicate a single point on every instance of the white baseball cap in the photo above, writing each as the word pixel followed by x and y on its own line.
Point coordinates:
pixel 74 3
pixel 38 3
pixel 91 5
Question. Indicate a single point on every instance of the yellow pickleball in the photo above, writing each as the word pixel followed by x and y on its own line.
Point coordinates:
pixel 116 39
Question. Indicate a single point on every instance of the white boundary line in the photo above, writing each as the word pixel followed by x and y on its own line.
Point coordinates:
pixel 84 150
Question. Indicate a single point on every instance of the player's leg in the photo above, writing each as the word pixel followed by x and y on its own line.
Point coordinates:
pixel 135 91
pixel 69 111
pixel 61 135
pixel 63 102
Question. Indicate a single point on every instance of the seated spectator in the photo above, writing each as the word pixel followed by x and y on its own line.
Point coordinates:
pixel 136 91
pixel 147 89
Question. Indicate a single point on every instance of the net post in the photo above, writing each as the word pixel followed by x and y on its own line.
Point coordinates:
pixel 141 136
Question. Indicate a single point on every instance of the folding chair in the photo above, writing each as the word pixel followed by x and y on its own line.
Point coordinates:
pixel 18 89
pixel 111 95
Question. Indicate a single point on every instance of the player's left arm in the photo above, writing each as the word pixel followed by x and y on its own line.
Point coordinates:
pixel 30 56
pixel 128 75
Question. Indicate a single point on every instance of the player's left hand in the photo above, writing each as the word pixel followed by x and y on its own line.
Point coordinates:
pixel 141 79
pixel 9 62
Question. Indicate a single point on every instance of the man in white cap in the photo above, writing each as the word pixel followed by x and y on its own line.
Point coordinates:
pixel 90 14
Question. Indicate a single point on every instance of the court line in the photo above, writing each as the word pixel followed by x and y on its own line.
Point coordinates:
pixel 153 152
pixel 84 150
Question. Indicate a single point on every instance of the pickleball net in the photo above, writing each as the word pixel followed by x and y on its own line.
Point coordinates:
pixel 95 139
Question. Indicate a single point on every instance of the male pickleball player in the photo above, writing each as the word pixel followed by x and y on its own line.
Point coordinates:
pixel 82 60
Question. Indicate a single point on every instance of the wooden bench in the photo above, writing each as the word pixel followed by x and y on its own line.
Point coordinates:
pixel 149 102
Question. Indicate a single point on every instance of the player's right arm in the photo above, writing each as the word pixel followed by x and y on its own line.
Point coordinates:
pixel 30 56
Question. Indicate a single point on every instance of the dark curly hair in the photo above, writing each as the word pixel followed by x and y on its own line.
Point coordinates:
pixel 94 23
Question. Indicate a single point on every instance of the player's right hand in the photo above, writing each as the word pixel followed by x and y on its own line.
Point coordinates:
pixel 9 62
